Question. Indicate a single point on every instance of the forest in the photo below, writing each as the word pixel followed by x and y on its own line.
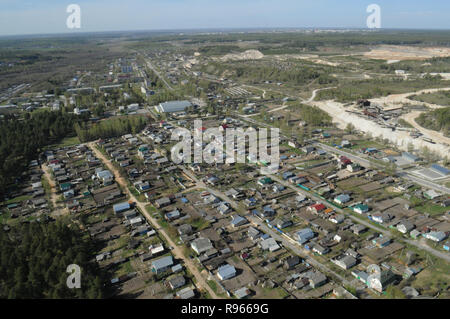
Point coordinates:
pixel 22 139
pixel 34 259
pixel 110 128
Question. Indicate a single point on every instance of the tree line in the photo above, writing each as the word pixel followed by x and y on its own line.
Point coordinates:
pixel 110 128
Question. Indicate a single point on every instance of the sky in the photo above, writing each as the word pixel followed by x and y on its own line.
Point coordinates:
pixel 49 16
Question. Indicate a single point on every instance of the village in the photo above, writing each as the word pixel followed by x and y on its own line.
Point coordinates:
pixel 344 215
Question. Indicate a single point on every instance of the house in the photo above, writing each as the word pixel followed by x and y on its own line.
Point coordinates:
pixel 308 149
pixel 119 208
pixel 234 193
pixel 415 234
pixel 337 218
pixel 317 279
pixel 282 223
pixel 380 281
pixel 162 264
pixel 265 181
pixel 342 199
pixel 141 230
pixel 381 242
pixel 358 229
pixel 177 268
pixel 317 208
pixel 354 167
pixel 344 161
pixel 157 249
pixel 186 293
pixel 163 202
pixel 253 233
pixel 224 208
pixel 106 177
pixel 304 235
pixel 201 245
pixel 170 216
pixel 137 221
pixel 278 188
pixel 446 203
pixel 381 217
pixel 250 202
pixel 226 272
pixel 268 211
pixel 287 175
pixel 238 221
pixel 436 236
pixel 446 246
pixel 242 293
pixel 345 262
pixel 65 186
pixel 130 214
pixel 177 282
pixel 291 262
pixel 360 208
pixel 346 143
pixel 184 229
pixel 69 194
pixel 320 249
pixel 431 194
pixel 269 244
pixel 405 226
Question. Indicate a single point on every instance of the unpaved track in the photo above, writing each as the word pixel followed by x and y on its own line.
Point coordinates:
pixel 201 282
pixel 435 135
pixel 57 211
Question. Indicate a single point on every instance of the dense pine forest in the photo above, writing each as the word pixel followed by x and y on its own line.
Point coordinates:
pixel 34 258
pixel 21 140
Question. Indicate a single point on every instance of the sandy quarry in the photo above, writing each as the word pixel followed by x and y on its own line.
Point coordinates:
pixel 400 138
pixel 309 57
pixel 397 100
pixel 400 53
pixel 246 55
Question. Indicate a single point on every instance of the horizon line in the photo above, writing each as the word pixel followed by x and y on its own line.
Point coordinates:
pixel 217 29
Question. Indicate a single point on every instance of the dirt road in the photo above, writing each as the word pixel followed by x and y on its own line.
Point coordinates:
pixel 435 135
pixel 58 210
pixel 178 253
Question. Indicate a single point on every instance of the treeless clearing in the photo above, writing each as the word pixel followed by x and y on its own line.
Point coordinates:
pixel 397 52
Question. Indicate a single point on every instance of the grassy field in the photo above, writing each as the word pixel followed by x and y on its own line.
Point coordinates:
pixel 431 209
pixel 440 98
pixel 68 141
pixel 17 199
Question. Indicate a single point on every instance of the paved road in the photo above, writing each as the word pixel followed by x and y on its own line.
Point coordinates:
pixel 201 282
pixel 151 67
